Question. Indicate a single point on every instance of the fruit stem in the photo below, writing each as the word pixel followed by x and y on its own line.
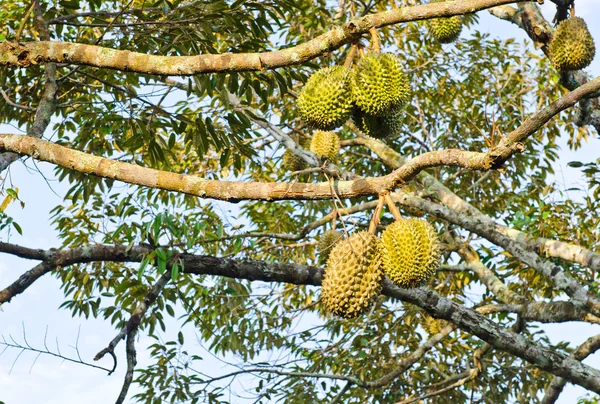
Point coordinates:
pixel 350 55
pixel 375 40
pixel 392 206
pixel 334 218
pixel 375 219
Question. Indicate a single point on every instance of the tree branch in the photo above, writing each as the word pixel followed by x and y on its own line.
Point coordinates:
pixel 558 383
pixel 467 319
pixel 23 55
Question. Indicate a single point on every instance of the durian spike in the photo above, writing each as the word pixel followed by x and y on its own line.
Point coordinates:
pixel 392 206
pixel 375 218
pixel 350 56
pixel 375 40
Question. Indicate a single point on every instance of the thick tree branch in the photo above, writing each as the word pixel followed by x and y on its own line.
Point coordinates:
pixel 558 383
pixel 23 55
pixel 467 319
pixel 234 191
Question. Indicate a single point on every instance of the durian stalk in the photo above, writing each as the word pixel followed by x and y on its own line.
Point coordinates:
pixel 376 215
pixel 350 56
pixel 375 40
pixel 392 207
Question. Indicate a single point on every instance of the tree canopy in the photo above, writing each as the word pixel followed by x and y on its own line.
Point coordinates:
pixel 158 114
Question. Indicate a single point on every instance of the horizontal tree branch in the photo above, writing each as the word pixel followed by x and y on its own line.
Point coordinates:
pixel 467 319
pixel 235 191
pixel 23 55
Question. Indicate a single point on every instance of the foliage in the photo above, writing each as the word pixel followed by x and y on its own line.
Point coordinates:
pixel 465 95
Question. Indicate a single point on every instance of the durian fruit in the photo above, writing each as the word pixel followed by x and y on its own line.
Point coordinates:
pixel 432 325
pixel 353 277
pixel 379 84
pixel 445 30
pixel 327 241
pixel 410 252
pixel 572 46
pixel 379 127
pixel 292 162
pixel 325 101
pixel 325 144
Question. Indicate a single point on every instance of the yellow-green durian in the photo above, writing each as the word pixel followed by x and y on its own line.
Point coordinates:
pixel 572 46
pixel 353 276
pixel 379 84
pixel 325 101
pixel 432 325
pixel 379 127
pixel 445 30
pixel 293 162
pixel 410 252
pixel 326 243
pixel 325 144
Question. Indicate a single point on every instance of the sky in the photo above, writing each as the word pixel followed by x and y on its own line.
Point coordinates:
pixel 25 379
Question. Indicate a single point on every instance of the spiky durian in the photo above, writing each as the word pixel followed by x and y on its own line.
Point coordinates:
pixel 572 46
pixel 325 144
pixel 432 325
pixel 410 252
pixel 325 101
pixel 445 30
pixel 379 84
pixel 292 162
pixel 327 241
pixel 379 127
pixel 353 277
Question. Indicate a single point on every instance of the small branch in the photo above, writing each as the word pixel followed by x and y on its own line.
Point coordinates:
pixel 14 104
pixel 25 18
pixel 46 351
pixel 343 391
pixel 131 362
pixel 24 281
pixel 136 317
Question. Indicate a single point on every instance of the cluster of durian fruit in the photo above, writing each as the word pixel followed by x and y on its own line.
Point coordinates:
pixel 371 94
pixel 407 253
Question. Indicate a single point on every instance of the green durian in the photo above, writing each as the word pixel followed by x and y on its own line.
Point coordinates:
pixel 325 144
pixel 379 84
pixel 410 252
pixel 572 46
pixel 445 30
pixel 353 277
pixel 325 101
pixel 379 127
pixel 327 241
pixel 292 162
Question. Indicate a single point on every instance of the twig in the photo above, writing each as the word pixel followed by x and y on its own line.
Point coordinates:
pixel 27 14
pixel 131 362
pixel 136 317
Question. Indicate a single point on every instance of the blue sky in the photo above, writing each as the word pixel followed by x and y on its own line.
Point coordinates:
pixel 51 380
